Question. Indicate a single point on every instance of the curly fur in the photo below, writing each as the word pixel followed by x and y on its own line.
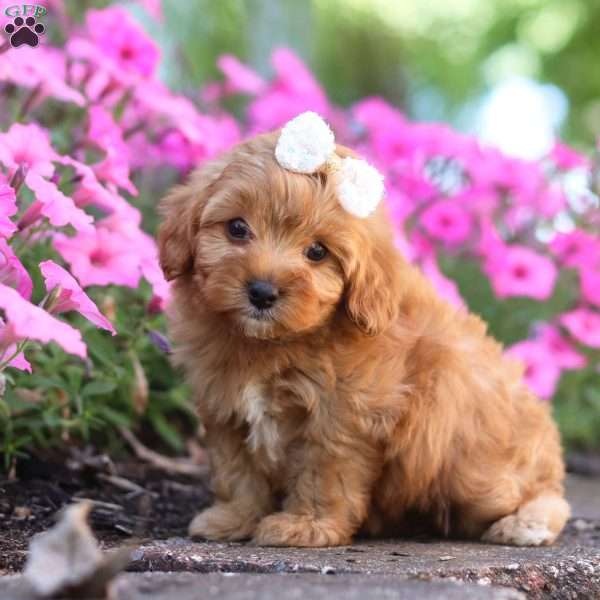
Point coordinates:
pixel 364 402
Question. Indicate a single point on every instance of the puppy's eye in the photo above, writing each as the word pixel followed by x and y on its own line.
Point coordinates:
pixel 316 252
pixel 238 229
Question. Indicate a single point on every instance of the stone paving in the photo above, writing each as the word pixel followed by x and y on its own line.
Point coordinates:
pixel 178 569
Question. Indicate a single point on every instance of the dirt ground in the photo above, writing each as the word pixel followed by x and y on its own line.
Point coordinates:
pixel 150 510
pixel 155 506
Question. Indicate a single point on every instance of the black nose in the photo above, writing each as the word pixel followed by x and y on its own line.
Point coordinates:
pixel 262 294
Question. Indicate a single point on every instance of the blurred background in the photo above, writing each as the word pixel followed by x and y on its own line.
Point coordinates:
pixel 514 72
pixel 517 74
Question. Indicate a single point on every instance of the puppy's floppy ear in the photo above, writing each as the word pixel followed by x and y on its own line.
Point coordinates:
pixel 181 210
pixel 176 233
pixel 373 280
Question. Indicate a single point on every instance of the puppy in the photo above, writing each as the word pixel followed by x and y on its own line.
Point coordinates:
pixel 339 392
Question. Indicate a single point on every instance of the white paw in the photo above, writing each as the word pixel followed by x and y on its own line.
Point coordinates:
pixel 514 531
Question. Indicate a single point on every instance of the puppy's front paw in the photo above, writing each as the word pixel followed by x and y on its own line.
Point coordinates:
pixel 225 522
pixel 286 529
pixel 515 531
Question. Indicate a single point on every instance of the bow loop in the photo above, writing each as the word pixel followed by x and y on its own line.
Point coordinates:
pixel 307 145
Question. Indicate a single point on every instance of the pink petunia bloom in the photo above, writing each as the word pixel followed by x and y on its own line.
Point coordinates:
pixel 590 284
pixel 490 242
pixel 90 191
pixel 121 39
pixel 28 147
pixel 153 8
pixel 584 325
pixel 18 361
pixel 566 158
pixel 8 208
pixel 541 371
pixel 100 257
pixel 41 68
pixel 447 222
pixel 114 169
pixel 103 130
pixel 562 352
pixel 12 272
pixel 445 287
pixel 375 113
pixel 153 274
pixel 293 91
pixel 71 296
pixel 58 208
pixel 28 321
pixel 410 178
pixel 519 271
pixel 239 78
pixel 576 248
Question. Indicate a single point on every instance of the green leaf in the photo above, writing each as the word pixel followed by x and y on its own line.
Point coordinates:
pixel 98 388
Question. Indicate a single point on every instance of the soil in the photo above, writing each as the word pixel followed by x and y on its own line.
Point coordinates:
pixel 157 506
pixel 153 512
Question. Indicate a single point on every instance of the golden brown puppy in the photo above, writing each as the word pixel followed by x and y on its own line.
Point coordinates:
pixel 339 393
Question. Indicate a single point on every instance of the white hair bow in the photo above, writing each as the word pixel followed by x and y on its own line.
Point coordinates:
pixel 307 145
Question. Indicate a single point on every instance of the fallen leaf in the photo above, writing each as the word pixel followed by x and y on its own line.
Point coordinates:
pixel 67 562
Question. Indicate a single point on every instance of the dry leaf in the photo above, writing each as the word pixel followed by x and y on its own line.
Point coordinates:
pixel 67 562
pixel 140 387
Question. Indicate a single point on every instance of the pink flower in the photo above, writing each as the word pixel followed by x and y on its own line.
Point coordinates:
pixel 28 321
pixel 58 208
pixel 100 257
pixel 490 243
pixel 590 284
pixel 71 296
pixel 294 90
pixel 115 169
pixel 153 8
pixel 12 272
pixel 8 208
pixel 576 249
pixel 541 371
pixel 153 274
pixel 562 352
pixel 566 158
pixel 6 352
pixel 91 192
pixel 375 113
pixel 103 131
pixel 519 271
pixel 238 77
pixel 121 38
pixel 19 361
pixel 41 68
pixel 447 222
pixel 584 325
pixel 445 287
pixel 28 147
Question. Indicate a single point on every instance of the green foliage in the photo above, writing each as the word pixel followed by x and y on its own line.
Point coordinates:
pixel 67 400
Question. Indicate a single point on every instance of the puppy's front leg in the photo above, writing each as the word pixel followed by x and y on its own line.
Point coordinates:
pixel 242 494
pixel 328 501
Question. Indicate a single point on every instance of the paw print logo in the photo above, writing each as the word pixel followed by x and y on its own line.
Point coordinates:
pixel 24 31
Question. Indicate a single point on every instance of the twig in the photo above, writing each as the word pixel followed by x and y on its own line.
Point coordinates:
pixel 164 463
pixel 98 503
pixel 124 484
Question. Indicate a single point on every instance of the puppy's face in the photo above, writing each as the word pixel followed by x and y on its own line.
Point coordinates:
pixel 270 251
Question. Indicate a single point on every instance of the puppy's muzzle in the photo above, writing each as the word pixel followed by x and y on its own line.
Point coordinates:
pixel 262 294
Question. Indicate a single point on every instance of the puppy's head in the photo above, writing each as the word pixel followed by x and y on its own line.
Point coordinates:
pixel 273 252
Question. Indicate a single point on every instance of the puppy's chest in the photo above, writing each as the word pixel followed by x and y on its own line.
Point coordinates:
pixel 274 421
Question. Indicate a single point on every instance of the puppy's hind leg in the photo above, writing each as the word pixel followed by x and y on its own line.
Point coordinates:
pixel 537 522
